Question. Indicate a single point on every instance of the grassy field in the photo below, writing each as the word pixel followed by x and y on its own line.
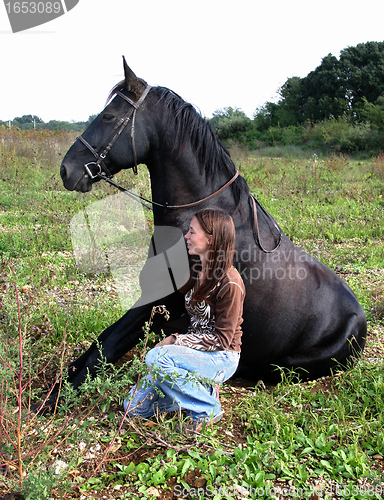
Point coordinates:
pixel 320 439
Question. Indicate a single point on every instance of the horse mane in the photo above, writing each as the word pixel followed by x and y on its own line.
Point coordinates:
pixel 211 153
pixel 189 124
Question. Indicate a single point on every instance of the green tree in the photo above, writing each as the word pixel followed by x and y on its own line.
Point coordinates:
pixel 27 122
pixel 323 92
pixel 266 116
pixel 362 70
pixel 374 113
pixel 334 89
pixel 231 123
pixel 289 107
pixel 69 126
pixel 287 111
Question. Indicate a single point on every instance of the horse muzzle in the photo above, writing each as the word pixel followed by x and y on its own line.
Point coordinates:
pixel 76 179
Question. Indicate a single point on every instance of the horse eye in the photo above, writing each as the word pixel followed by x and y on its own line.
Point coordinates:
pixel 108 117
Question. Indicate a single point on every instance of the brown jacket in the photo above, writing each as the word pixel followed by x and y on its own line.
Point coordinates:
pixel 215 323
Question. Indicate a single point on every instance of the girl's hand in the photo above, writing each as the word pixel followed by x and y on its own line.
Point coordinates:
pixel 167 341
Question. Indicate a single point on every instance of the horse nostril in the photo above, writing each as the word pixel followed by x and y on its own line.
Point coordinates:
pixel 63 172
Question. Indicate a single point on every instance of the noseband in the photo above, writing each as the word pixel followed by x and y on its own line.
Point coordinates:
pixel 103 171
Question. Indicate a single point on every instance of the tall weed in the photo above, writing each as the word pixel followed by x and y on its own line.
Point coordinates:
pixel 336 162
pixel 378 165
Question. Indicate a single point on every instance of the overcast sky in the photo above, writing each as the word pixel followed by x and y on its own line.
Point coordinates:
pixel 213 53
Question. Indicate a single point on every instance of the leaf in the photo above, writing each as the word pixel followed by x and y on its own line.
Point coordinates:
pixel 94 480
pixel 306 451
pixel 158 477
pixel 171 471
pixel 349 469
pixel 326 464
pixel 259 479
pixel 131 467
pixel 320 441
pixel 185 467
pixel 212 470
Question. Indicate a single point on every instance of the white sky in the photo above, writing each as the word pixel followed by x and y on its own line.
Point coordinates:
pixel 213 53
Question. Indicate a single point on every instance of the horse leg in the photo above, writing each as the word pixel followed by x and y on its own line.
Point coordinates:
pixel 118 339
pixel 111 345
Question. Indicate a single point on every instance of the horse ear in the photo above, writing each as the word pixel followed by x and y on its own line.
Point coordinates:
pixel 132 83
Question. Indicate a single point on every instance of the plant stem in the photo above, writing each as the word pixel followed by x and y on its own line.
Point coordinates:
pixel 20 382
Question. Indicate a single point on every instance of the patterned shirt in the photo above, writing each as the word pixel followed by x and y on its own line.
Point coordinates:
pixel 215 322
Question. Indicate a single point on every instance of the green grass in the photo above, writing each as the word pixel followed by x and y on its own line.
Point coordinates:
pixel 294 434
pixel 35 215
pixel 330 432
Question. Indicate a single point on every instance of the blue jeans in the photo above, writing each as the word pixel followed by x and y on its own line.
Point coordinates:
pixel 171 383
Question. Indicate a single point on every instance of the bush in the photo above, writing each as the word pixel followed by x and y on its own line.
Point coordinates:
pixel 334 134
pixel 231 124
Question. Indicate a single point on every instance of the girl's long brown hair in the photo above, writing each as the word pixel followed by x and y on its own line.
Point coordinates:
pixel 219 224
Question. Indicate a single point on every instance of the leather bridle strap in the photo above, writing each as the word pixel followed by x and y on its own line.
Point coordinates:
pixel 165 205
pixel 256 225
pixel 194 203
pixel 115 133
pixel 99 162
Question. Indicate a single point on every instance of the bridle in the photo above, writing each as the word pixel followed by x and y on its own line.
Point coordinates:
pixel 115 133
pixel 103 172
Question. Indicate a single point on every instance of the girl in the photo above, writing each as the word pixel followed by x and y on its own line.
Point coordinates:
pixel 184 368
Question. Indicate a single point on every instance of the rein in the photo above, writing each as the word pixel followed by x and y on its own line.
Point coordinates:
pixel 104 174
pixel 256 233
pixel 253 202
pixel 165 205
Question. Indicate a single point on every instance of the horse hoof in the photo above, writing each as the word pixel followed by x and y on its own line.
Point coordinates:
pixel 45 407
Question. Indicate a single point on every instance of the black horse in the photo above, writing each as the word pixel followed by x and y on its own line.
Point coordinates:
pixel 297 313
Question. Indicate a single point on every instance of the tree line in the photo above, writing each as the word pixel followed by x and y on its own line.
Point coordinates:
pixel 30 122
pixel 338 105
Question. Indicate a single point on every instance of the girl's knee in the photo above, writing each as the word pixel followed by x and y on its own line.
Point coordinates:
pixel 152 356
pixel 162 357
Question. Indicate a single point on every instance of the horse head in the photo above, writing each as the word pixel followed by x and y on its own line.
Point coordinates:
pixel 117 139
